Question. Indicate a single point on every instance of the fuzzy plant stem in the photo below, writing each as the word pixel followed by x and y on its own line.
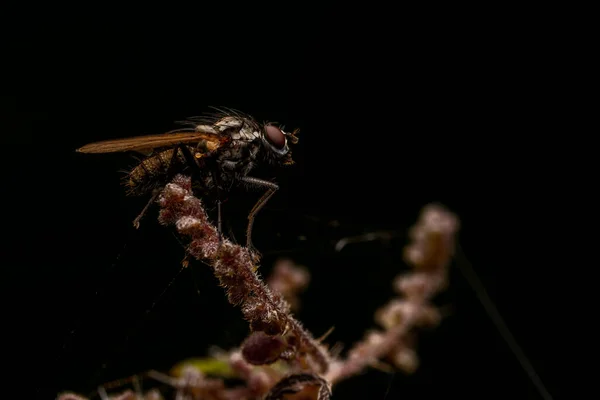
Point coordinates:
pixel 233 265
pixel 429 254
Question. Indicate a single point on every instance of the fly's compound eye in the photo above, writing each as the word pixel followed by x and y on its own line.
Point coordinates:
pixel 275 136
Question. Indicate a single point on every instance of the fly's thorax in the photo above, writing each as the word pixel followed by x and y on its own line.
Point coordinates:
pixel 238 154
pixel 246 133
pixel 238 128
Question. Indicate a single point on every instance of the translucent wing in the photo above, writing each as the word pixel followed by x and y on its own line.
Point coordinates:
pixel 149 142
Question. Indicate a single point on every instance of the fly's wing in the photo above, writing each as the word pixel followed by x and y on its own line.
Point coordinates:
pixel 150 142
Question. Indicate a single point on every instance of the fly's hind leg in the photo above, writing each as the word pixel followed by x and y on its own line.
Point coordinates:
pixel 136 221
pixel 271 189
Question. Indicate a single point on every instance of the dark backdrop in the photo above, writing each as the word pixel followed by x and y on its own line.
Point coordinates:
pixel 397 108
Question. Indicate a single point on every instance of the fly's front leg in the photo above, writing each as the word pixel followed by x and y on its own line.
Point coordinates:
pixel 271 189
pixel 216 178
pixel 219 197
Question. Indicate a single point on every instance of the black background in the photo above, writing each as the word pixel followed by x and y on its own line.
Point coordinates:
pixel 397 108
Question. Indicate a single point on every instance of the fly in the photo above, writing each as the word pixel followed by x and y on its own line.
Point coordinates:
pixel 219 152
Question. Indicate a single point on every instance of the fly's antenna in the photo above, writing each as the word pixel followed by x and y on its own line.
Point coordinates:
pixel 293 137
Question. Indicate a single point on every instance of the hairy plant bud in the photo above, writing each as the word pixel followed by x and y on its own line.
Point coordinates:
pixel 260 348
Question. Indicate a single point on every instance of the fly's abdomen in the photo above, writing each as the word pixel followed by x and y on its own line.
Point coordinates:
pixel 151 172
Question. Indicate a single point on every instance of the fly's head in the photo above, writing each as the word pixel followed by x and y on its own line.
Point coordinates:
pixel 276 144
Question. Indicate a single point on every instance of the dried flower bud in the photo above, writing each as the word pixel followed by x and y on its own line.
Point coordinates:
pixel 406 360
pixel 259 382
pixel 300 387
pixel 394 313
pixel 191 375
pixel 70 396
pixel 432 239
pixel 126 395
pixel 428 316
pixel 260 348
pixel 289 279
pixel 241 367
pixel 187 224
pixel 413 286
pixel 153 394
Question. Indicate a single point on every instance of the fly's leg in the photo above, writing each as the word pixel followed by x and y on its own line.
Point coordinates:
pixel 219 220
pixel 213 168
pixel 217 182
pixel 170 173
pixel 271 189
pixel 189 158
pixel 136 221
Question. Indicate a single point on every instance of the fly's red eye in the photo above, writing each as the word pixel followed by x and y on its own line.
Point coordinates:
pixel 275 136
